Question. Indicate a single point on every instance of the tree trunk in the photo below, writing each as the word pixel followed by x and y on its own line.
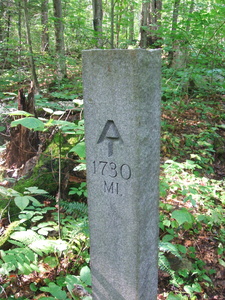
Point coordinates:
pixel 118 26
pixel 112 24
pixel 19 30
pixel 150 22
pixel 59 40
pixel 173 31
pixel 33 69
pixel 191 9
pixel 131 24
pixel 5 24
pixel 44 23
pixel 1 21
pixel 97 21
pixel 23 142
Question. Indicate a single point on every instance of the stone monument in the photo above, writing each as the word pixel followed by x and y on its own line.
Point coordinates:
pixel 122 128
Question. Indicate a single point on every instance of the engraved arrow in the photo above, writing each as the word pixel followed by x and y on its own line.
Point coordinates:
pixel 111 134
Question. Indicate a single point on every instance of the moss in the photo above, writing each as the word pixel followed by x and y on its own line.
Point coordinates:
pixel 7 232
pixel 46 172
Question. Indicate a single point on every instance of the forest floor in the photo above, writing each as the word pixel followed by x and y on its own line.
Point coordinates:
pixel 183 125
pixel 192 119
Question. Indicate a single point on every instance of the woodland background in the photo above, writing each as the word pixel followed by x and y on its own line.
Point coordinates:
pixel 44 235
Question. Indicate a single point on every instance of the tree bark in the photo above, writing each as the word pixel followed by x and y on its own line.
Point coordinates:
pixel 1 21
pixel 112 24
pixel 19 30
pixel 173 31
pixel 118 27
pixel 23 142
pixel 131 24
pixel 44 23
pixel 59 40
pixel 97 21
pixel 33 68
pixel 150 22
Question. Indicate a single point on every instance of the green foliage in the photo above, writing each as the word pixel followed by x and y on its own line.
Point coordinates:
pixel 192 139
pixel 164 265
pixel 84 280
pixel 5 236
pixel 75 208
pixel 30 123
pixel 22 259
pixel 181 181
pixel 32 243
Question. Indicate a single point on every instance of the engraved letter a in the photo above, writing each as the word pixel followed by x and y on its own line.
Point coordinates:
pixel 111 134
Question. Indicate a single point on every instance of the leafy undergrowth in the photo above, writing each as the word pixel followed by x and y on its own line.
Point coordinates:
pixel 192 191
pixel 45 251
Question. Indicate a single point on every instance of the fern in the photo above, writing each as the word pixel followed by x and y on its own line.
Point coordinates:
pixel 167 247
pixel 78 209
pixel 163 262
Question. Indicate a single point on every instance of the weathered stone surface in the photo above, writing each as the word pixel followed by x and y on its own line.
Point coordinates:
pixel 122 121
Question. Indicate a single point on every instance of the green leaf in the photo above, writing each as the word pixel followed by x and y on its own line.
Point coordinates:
pixel 70 281
pixel 48 110
pixel 48 246
pixel 167 238
pixel 34 201
pixel 79 149
pixel 55 290
pixel 59 112
pixel 20 113
pixel 37 218
pixel 85 275
pixel 22 202
pixel 35 190
pixel 182 216
pixel 45 230
pixel 30 123
pixel 176 297
pixel 26 237
pixel 52 261
pixel 221 262
pixel 33 287
pixel 182 249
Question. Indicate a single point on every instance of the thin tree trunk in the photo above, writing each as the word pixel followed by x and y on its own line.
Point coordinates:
pixel 150 22
pixel 189 17
pixel 112 24
pixel 19 30
pixel 131 24
pixel 118 22
pixel 155 19
pixel 1 21
pixel 8 30
pixel 97 21
pixel 185 50
pixel 59 40
pixel 44 23
pixel 33 69
pixel 173 31
pixel 145 22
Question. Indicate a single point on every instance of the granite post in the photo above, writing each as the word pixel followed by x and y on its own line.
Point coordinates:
pixel 122 128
